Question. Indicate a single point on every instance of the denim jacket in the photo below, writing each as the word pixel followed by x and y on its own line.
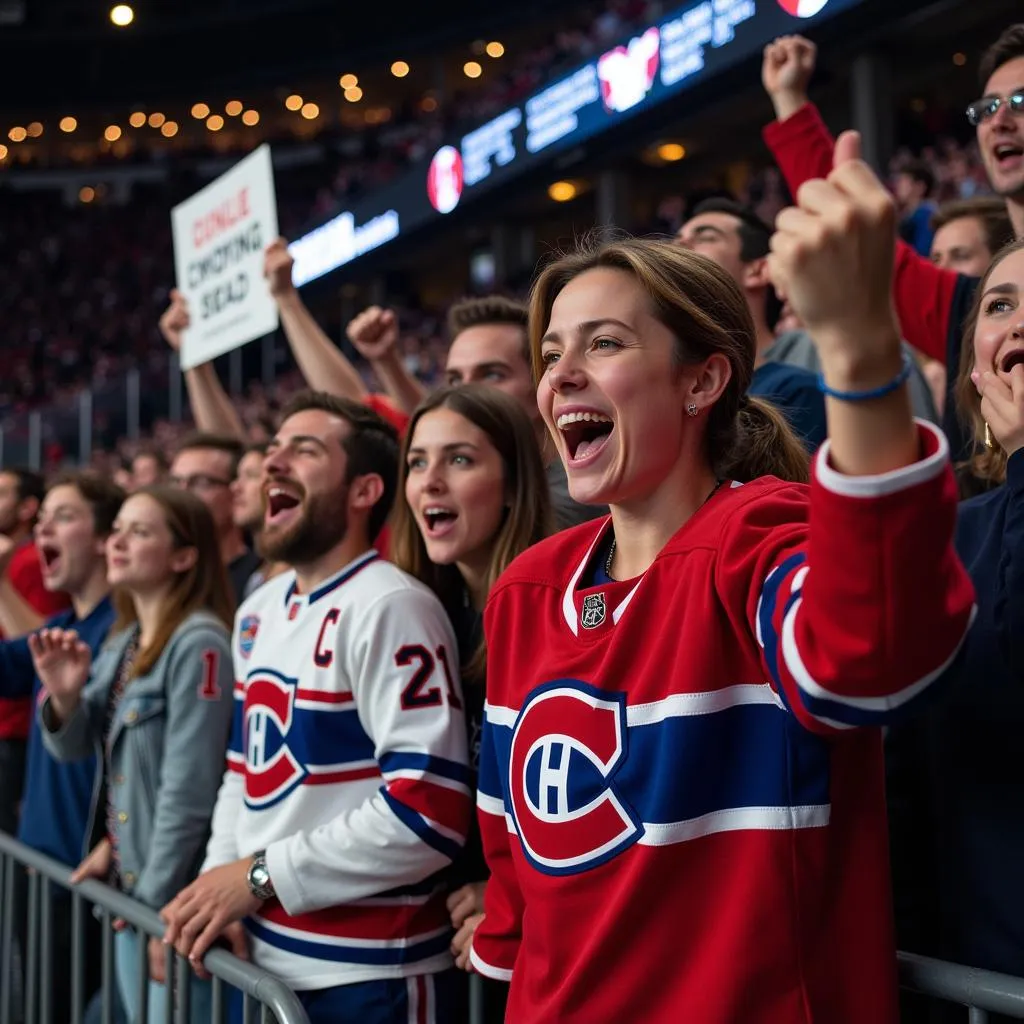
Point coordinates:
pixel 167 739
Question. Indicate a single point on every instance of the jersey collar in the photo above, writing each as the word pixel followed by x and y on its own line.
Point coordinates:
pixel 293 599
pixel 587 609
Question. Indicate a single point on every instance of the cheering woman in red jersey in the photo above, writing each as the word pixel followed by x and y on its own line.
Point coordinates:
pixel 681 787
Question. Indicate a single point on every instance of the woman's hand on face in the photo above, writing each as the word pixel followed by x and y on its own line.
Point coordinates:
pixel 1002 406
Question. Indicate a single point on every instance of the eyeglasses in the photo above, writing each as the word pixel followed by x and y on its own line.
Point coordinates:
pixel 987 107
pixel 198 482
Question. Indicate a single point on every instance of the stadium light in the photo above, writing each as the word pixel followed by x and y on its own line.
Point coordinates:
pixel 3 152
pixel 233 108
pixel 310 111
pixel 354 95
pixel 68 124
pixel 35 129
pixel 348 81
pixel 215 122
pixel 156 119
pixel 138 119
pixel 399 69
pixel 17 134
pixel 294 102
pixel 200 111
pixel 250 118
pixel 471 69
pixel 670 152
pixel 562 191
pixel 495 49
pixel 122 15
pixel 169 129
pixel 112 133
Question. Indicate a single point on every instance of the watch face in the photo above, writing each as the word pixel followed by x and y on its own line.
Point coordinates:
pixel 260 875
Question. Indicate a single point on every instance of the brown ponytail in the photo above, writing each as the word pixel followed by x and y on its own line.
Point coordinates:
pixel 706 312
pixel 764 445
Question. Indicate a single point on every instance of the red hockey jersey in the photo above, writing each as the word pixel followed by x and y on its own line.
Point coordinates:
pixel 683 821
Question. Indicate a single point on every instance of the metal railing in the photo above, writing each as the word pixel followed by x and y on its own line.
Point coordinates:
pixel 260 990
pixel 982 992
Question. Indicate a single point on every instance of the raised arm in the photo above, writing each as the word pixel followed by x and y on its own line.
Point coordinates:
pixel 321 361
pixel 803 147
pixel 17 616
pixel 212 408
pixel 375 334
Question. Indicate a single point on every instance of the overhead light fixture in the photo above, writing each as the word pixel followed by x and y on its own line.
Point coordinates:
pixel 428 104
pixel 250 118
pixel 495 50
pixel 562 191
pixel 3 152
pixel 17 134
pixel 68 124
pixel 215 122
pixel 87 194
pixel 671 152
pixel 156 119
pixel 294 102
pixel 138 119
pixel 35 129
pixel 348 81
pixel 959 59
pixel 233 108
pixel 471 69
pixel 122 15
pixel 112 133
pixel 399 69
pixel 169 129
pixel 310 111
pixel 354 95
pixel 200 111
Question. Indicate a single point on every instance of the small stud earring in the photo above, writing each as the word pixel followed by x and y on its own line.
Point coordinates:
pixel 691 409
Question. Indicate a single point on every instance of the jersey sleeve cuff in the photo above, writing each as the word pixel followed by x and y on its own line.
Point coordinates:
pixel 286 885
pixel 488 970
pixel 932 464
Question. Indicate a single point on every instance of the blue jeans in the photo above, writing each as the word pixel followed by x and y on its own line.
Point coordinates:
pixel 126 961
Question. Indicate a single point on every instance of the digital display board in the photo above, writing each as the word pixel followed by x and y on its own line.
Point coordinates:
pixel 650 67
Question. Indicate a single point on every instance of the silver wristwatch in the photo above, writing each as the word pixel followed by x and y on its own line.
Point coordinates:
pixel 258 877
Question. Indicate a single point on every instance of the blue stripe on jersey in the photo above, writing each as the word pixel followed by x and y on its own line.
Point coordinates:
pixel 488 780
pixel 415 822
pixel 403 760
pixel 766 615
pixel 382 956
pixel 236 741
pixel 749 755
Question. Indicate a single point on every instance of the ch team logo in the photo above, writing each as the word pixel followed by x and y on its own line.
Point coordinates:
pixel 568 743
pixel 802 8
pixel 271 770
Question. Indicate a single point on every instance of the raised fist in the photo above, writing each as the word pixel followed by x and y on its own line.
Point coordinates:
pixel 374 332
pixel 175 320
pixel 277 268
pixel 786 73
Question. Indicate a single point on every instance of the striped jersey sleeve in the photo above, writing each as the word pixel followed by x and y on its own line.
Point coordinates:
pixel 859 609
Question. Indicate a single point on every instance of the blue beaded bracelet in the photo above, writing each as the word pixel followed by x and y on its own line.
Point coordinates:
pixel 863 396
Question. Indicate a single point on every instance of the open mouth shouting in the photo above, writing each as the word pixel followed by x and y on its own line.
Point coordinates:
pixel 1008 155
pixel 585 434
pixel 50 558
pixel 1011 359
pixel 284 503
pixel 438 520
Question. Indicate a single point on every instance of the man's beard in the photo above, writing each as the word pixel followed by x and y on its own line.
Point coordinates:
pixel 323 524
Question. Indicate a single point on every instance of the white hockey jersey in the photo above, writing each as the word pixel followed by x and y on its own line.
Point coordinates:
pixel 347 764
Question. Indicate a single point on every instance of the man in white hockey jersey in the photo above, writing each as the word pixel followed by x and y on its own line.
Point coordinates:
pixel 347 790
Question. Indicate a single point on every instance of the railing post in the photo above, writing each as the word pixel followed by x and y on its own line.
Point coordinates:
pixel 35 440
pixel 84 427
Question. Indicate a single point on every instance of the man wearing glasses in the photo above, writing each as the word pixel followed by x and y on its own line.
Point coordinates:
pixel 932 303
pixel 206 465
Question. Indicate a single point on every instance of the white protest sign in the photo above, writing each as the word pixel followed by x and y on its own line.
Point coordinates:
pixel 219 238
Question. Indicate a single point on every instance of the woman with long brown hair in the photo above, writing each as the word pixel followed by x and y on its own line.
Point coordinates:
pixel 475 497
pixel 956 775
pixel 156 706
pixel 681 786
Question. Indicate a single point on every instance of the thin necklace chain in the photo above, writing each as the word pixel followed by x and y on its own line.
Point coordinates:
pixel 611 551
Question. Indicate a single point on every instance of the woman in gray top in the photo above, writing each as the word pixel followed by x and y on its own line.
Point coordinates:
pixel 155 707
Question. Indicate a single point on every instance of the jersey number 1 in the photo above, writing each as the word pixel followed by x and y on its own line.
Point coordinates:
pixel 417 694
pixel 209 688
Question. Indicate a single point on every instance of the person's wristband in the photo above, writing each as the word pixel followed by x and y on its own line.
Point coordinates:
pixel 865 396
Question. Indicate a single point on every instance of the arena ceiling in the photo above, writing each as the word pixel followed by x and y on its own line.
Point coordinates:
pixel 61 49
